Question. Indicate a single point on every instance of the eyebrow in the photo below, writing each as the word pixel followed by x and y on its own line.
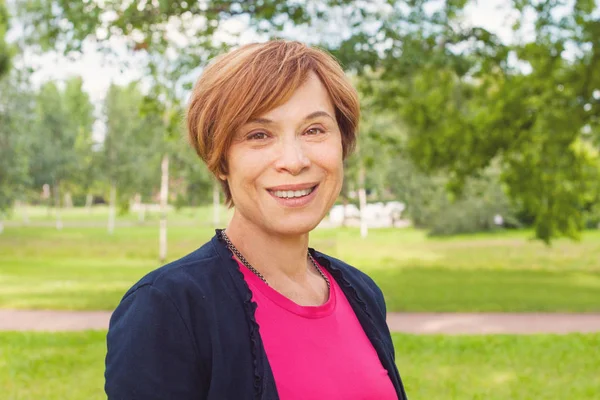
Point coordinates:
pixel 310 116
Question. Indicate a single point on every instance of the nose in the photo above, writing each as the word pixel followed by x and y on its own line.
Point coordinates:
pixel 292 157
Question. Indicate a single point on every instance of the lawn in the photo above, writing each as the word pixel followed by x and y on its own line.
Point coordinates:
pixel 84 268
pixel 98 216
pixel 70 366
pixel 500 366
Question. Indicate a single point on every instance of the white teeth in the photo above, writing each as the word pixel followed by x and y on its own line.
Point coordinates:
pixel 286 194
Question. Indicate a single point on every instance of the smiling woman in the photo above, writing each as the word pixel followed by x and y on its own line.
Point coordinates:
pixel 255 313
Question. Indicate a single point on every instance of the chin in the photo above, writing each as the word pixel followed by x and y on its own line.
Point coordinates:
pixel 295 226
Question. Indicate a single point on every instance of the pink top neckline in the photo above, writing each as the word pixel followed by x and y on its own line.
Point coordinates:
pixel 310 344
pixel 281 301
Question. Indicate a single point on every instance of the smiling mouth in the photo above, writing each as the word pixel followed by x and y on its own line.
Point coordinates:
pixel 292 194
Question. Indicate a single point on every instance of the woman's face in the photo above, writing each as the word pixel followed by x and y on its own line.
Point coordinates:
pixel 286 166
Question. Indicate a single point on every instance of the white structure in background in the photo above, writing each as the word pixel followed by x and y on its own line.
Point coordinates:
pixel 338 213
pixel 376 215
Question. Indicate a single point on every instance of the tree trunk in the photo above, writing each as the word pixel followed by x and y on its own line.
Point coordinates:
pixel 142 213
pixel 68 200
pixel 112 207
pixel 1 226
pixel 59 223
pixel 47 196
pixel 22 207
pixel 88 202
pixel 140 207
pixel 164 196
pixel 25 214
pixel 216 204
pixel 362 198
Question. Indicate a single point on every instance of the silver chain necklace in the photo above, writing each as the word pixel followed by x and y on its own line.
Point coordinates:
pixel 239 255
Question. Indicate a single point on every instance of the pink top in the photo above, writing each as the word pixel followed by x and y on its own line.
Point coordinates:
pixel 317 353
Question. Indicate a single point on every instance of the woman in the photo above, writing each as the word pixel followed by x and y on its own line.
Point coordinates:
pixel 255 313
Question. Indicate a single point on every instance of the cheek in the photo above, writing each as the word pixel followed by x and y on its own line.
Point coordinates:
pixel 246 167
pixel 333 164
pixel 333 160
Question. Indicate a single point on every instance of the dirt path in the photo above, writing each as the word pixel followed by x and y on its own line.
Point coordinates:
pixel 493 323
pixel 418 323
pixel 42 320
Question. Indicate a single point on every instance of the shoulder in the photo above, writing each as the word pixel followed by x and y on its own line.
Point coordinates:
pixel 174 303
pixel 154 325
pixel 189 289
pixel 196 269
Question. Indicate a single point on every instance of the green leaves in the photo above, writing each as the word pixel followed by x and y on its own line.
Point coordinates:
pixel 131 149
pixel 4 50
pixel 15 139
pixel 469 100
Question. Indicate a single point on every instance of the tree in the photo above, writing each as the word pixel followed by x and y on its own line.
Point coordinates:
pixel 198 179
pixel 162 105
pixel 13 162
pixel 66 24
pixel 4 49
pixel 16 118
pixel 80 120
pixel 380 139
pixel 468 103
pixel 62 149
pixel 129 151
pixel 55 161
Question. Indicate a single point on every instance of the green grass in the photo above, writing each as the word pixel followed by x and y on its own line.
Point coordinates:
pixel 500 367
pixel 98 216
pixel 414 289
pixel 84 268
pixel 52 366
pixel 71 365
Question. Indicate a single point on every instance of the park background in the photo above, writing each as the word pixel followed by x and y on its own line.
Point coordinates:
pixel 481 117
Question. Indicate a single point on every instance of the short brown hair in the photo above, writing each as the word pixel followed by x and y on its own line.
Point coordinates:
pixel 254 79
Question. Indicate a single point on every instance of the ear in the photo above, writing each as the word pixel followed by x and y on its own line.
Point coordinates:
pixel 222 177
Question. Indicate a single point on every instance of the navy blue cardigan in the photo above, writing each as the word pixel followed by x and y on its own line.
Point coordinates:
pixel 187 331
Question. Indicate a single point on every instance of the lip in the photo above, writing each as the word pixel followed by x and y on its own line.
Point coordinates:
pixel 300 186
pixel 295 202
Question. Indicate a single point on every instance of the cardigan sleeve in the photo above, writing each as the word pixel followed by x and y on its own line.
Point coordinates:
pixel 151 353
pixel 380 301
pixel 377 297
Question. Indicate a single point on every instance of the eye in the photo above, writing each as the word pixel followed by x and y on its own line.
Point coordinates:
pixel 315 130
pixel 257 136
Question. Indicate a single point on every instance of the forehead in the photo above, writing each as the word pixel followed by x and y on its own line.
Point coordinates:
pixel 310 97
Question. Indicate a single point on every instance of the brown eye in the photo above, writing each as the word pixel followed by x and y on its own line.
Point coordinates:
pixel 314 131
pixel 257 136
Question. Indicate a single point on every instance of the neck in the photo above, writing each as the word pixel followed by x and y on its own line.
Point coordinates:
pixel 273 255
